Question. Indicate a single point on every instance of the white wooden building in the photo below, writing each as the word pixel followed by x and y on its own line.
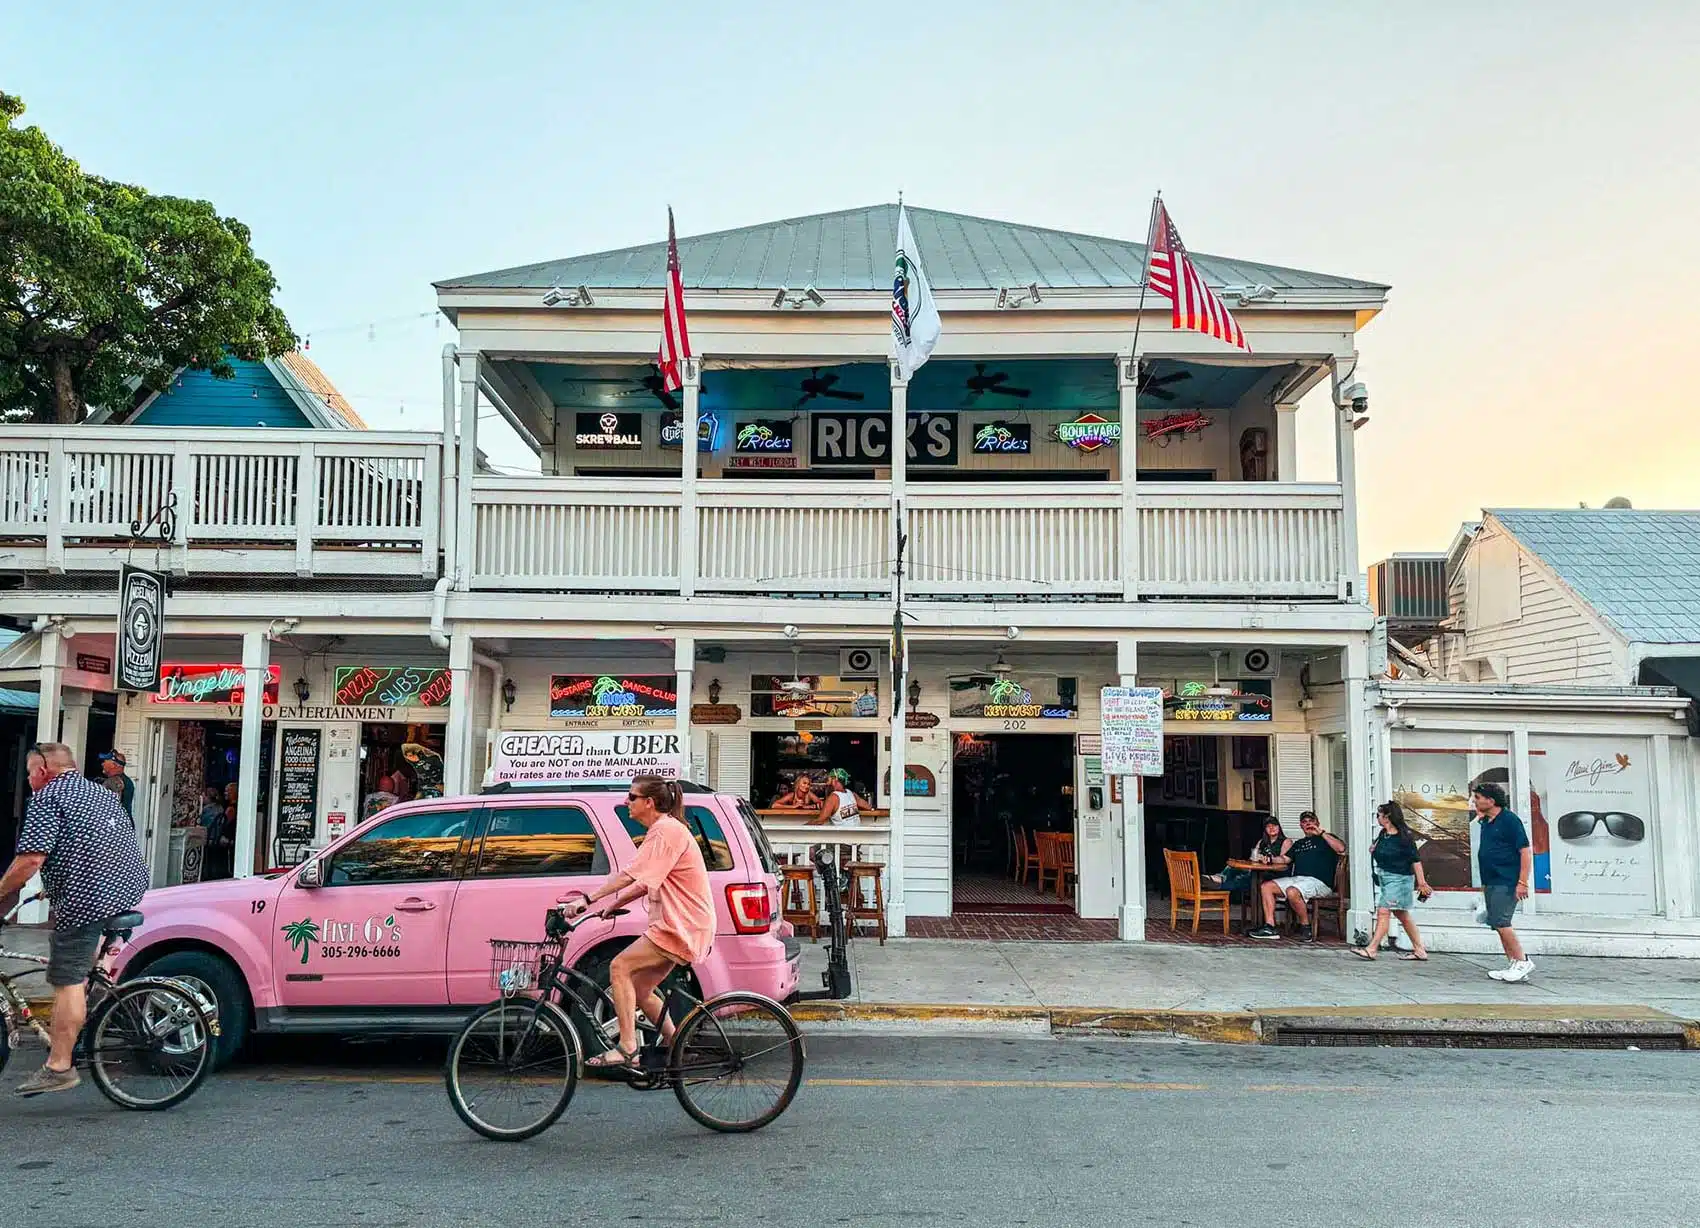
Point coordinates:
pixel 1069 514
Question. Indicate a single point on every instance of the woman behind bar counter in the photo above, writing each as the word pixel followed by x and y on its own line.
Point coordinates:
pixel 802 795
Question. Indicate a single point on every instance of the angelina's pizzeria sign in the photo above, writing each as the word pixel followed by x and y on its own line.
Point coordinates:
pixel 210 684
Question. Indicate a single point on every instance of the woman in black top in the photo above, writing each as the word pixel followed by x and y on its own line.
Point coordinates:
pixel 1398 867
pixel 1272 847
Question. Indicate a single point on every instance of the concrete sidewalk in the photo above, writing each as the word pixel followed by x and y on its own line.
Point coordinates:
pixel 1228 993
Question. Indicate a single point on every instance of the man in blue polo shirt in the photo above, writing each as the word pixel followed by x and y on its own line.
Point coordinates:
pixel 1505 864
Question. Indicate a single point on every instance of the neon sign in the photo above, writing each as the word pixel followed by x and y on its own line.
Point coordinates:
pixel 1089 432
pixel 212 684
pixel 673 431
pixel 1186 422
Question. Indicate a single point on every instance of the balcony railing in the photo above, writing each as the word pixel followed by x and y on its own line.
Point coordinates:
pixel 828 538
pixel 301 501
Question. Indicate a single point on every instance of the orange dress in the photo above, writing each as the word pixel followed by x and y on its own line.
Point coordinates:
pixel 681 907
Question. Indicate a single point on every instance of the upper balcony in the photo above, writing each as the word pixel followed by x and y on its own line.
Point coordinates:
pixel 202 500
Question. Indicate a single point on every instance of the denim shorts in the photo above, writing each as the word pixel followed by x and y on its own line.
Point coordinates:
pixel 1394 892
pixel 70 953
pixel 1501 903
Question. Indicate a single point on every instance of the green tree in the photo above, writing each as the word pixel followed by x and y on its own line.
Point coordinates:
pixel 105 287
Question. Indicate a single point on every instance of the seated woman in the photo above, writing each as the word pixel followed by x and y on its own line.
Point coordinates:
pixel 801 796
pixel 1271 847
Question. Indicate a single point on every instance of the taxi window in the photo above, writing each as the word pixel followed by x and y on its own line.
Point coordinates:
pixel 704 825
pixel 523 841
pixel 414 848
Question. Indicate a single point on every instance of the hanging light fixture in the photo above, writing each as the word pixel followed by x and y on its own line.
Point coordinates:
pixel 714 690
pixel 302 692
pixel 509 693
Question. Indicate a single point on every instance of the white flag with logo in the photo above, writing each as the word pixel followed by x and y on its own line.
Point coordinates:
pixel 914 318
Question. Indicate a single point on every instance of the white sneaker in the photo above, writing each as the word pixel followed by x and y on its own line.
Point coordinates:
pixel 1519 971
pixel 1499 974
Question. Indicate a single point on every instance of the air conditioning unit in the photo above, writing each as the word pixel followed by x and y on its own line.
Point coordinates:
pixel 858 663
pixel 1257 663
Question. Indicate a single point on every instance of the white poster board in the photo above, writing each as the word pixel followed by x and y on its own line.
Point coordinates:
pixel 584 757
pixel 1132 727
pixel 1594 808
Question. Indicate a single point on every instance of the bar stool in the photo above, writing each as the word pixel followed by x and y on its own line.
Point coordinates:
pixel 865 874
pixel 797 901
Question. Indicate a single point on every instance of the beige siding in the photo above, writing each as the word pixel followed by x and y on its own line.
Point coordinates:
pixel 1554 638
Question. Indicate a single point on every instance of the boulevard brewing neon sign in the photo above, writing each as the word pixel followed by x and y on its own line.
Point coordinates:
pixel 1089 432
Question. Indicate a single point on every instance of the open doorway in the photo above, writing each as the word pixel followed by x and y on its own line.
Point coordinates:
pixel 1003 784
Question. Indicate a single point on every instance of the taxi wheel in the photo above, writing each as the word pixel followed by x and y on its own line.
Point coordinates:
pixel 221 982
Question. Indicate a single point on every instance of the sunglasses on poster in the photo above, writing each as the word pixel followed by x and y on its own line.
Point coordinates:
pixel 1579 824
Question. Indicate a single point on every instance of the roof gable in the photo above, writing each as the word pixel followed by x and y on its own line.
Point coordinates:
pixel 288 391
pixel 852 250
pixel 1639 570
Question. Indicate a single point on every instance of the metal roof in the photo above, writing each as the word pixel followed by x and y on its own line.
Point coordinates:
pixel 852 250
pixel 1640 570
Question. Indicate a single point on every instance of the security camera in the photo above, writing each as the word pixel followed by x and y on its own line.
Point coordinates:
pixel 1012 632
pixel 813 295
pixel 779 296
pixel 554 296
pixel 1356 396
pixel 791 632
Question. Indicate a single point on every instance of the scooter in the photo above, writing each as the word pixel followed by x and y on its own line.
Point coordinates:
pixel 836 978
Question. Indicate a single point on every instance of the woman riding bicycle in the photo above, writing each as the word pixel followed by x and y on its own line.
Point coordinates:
pixel 669 869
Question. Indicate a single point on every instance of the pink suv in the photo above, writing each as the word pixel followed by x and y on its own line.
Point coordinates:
pixel 387 930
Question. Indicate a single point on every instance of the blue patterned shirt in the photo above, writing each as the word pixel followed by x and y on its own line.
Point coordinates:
pixel 94 868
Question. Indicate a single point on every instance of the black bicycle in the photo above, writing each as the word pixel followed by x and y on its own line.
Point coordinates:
pixel 735 1061
pixel 148 1043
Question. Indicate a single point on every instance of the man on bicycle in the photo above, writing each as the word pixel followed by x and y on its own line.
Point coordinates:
pixel 77 836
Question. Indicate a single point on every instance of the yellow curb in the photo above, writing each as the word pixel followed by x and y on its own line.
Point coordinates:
pixel 1222 1027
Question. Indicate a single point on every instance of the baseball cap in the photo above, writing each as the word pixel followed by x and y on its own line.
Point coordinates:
pixel 115 757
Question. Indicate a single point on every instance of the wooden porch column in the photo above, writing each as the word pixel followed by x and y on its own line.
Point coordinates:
pixel 466 532
pixel 255 650
pixel 1346 465
pixel 1127 389
pixel 692 391
pixel 1357 828
pixel 899 461
pixel 684 676
pixel 1286 467
pixel 458 735
pixel 1131 916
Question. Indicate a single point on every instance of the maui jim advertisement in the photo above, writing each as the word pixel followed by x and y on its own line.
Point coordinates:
pixel 211 684
pixel 1592 809
pixel 598 696
pixel 393 686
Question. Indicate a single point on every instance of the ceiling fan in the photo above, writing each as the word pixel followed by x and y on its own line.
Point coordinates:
pixel 995 672
pixel 1151 384
pixel 799 690
pixel 997 381
pixel 650 385
pixel 818 385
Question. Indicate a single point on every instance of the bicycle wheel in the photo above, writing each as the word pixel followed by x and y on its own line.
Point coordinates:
pixel 513 1069
pixel 149 1046
pixel 737 1062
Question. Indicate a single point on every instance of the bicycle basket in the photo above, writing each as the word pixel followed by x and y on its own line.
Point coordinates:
pixel 517 966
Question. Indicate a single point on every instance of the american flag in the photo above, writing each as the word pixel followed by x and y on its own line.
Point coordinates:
pixel 1172 274
pixel 675 339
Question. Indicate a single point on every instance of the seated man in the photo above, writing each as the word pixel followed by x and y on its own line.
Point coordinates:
pixel 1312 859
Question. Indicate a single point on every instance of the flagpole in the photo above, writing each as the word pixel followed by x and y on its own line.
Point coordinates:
pixel 1144 284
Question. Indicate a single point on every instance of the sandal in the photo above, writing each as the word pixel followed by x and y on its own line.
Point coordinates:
pixel 1411 957
pixel 615 1058
pixel 1362 954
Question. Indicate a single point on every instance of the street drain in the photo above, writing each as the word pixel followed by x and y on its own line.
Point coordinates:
pixel 1348 1037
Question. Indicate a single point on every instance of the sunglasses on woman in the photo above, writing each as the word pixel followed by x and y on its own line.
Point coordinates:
pixel 1580 823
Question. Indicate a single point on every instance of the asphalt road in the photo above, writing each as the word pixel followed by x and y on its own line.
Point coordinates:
pixel 902 1130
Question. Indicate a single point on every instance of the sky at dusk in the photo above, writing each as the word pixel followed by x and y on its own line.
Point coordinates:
pixel 1523 174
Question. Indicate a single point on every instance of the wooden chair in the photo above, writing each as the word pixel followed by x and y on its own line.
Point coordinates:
pixel 1050 859
pixel 1335 903
pixel 867 897
pixel 1027 855
pixel 1185 887
pixel 1065 861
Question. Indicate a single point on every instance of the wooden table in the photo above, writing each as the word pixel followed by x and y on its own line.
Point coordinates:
pixel 1259 870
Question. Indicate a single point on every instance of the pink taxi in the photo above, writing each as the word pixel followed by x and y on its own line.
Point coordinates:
pixel 387 929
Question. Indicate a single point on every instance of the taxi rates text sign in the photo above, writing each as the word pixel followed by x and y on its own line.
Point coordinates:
pixel 592 757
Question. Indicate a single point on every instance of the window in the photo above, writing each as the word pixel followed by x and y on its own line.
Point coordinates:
pixel 752 824
pixel 415 848
pixel 704 825
pixel 532 840
pixel 1433 773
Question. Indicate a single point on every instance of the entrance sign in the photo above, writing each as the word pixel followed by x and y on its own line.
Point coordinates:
pixel 141 629
pixel 211 684
pixel 864 438
pixel 583 758
pixel 1132 730
pixel 398 686
pixel 594 696
pixel 298 786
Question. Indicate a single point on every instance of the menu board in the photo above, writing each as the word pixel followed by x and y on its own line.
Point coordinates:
pixel 298 785
pixel 1132 719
